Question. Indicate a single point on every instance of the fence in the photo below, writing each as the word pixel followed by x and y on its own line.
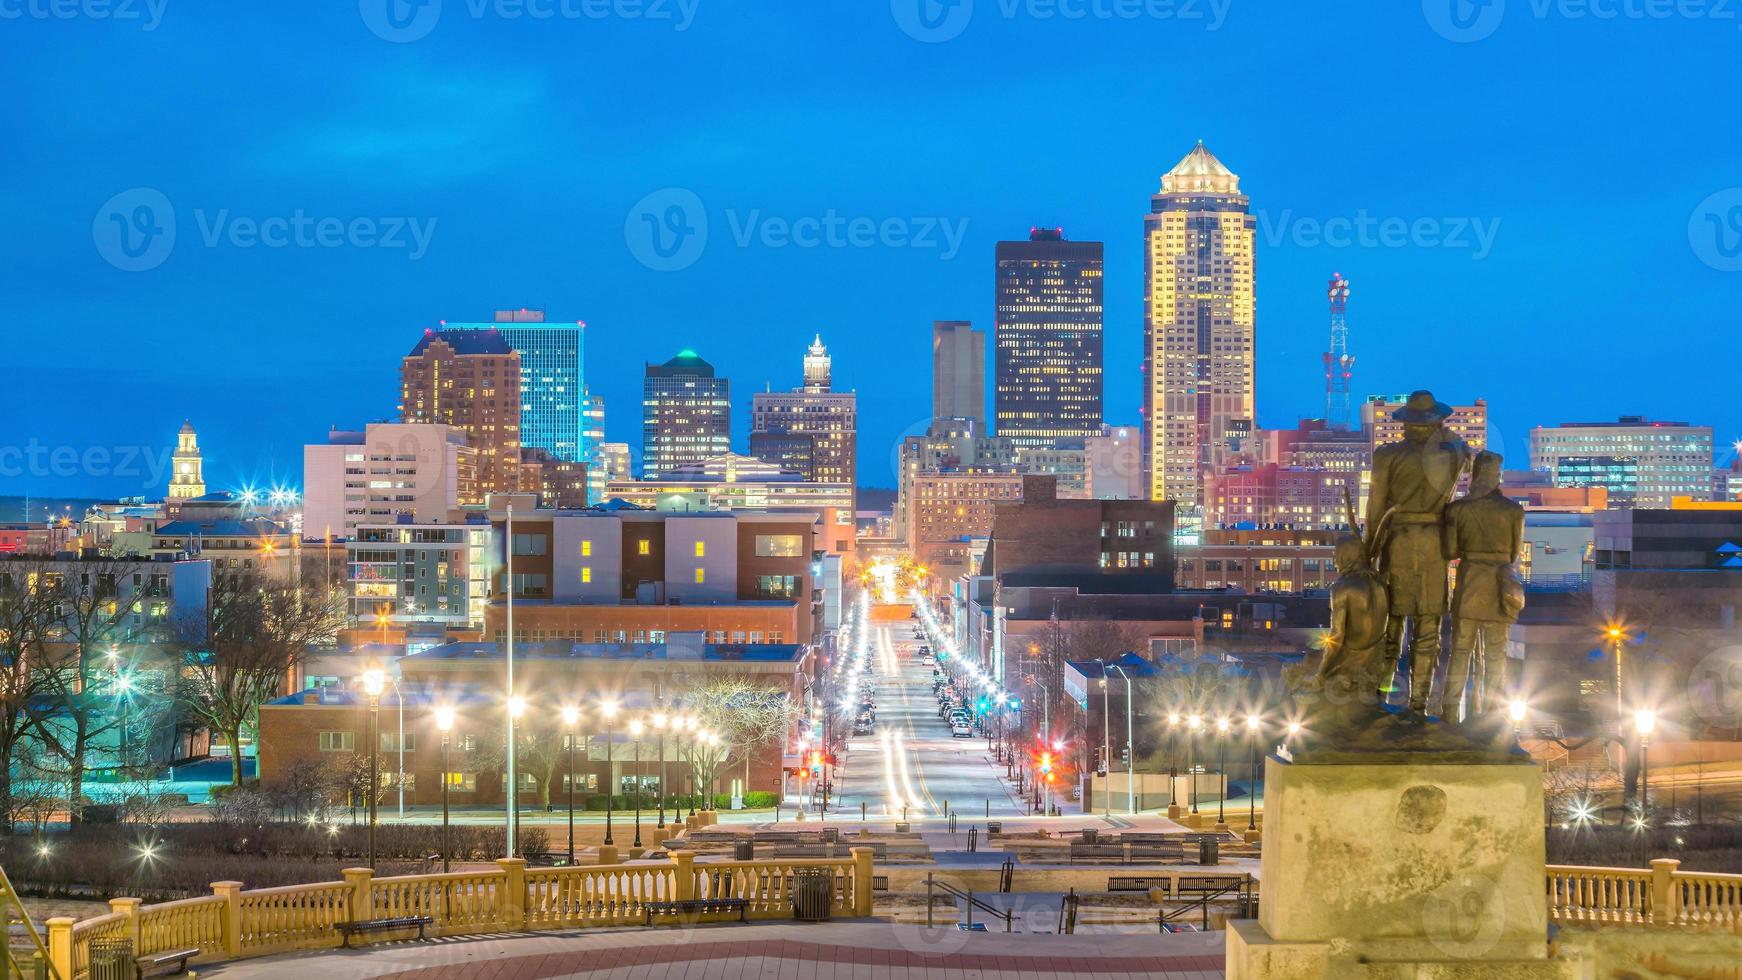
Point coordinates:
pixel 1664 896
pixel 234 924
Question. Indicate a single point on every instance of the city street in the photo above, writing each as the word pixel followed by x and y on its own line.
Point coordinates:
pixel 910 758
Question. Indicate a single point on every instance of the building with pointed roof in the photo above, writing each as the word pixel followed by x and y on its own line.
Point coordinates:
pixel 187 479
pixel 811 429
pixel 1200 241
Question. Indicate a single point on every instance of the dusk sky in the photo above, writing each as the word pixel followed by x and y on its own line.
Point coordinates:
pixel 1568 188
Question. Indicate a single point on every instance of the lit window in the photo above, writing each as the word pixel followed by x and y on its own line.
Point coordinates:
pixel 701 550
pixel 701 574
pixel 586 574
pixel 586 549
pixel 644 547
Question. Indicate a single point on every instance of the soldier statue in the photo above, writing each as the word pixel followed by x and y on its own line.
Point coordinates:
pixel 1413 481
pixel 1484 532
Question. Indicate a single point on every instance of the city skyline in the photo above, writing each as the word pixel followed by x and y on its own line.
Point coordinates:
pixel 1512 204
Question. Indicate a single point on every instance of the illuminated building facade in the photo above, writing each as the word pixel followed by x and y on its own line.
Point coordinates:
pixel 1199 326
pixel 187 479
pixel 553 396
pixel 1281 496
pixel 1642 463
pixel 947 510
pixel 686 414
pixel 1047 380
pixel 387 472
pixel 811 429
pixel 1467 422
pixel 404 573
pixel 470 380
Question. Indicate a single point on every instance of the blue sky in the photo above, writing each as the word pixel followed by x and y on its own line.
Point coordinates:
pixel 1584 169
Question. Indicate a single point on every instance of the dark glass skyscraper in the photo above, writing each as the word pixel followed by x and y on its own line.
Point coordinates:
pixel 1047 385
pixel 686 414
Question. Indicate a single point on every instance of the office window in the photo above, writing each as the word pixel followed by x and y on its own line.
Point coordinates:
pixel 780 546
pixel 390 742
pixel 701 550
pixel 530 544
pixel 586 573
pixel 701 575
pixel 463 782
pixel 586 549
pixel 338 741
pixel 644 547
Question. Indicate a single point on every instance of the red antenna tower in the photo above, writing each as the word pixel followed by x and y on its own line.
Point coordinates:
pixel 1339 363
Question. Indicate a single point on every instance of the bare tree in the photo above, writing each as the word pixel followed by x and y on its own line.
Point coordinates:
pixel 745 715
pixel 25 612
pixel 237 656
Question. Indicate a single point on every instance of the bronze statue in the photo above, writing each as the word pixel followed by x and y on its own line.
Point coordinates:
pixel 1485 533
pixel 1349 672
pixel 1413 481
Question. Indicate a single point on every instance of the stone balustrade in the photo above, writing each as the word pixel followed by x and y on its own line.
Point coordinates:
pixel 234 924
pixel 1664 897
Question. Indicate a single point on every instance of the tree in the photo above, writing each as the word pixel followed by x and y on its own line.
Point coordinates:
pixel 743 713
pixel 25 612
pixel 255 631
pixel 85 684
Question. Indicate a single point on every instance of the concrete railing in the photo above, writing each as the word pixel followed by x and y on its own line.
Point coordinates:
pixel 234 924
pixel 1663 897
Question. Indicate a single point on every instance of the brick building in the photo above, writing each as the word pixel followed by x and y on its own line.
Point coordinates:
pixel 470 380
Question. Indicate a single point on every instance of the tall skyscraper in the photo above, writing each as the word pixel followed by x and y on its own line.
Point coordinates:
pixel 552 379
pixel 1047 383
pixel 686 414
pixel 1199 326
pixel 469 379
pixel 811 429
pixel 958 371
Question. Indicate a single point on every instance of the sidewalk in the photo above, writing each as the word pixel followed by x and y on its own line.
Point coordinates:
pixel 786 951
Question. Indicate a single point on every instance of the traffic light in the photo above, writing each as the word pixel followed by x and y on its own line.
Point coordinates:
pixel 816 763
pixel 1046 764
pixel 1125 755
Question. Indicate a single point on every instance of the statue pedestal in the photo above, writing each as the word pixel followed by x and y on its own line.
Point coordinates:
pixel 1398 864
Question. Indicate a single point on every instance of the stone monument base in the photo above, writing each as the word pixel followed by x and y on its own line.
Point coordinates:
pixel 1398 864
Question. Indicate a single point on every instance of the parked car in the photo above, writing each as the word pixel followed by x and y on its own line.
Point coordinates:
pixel 961 729
pixel 863 726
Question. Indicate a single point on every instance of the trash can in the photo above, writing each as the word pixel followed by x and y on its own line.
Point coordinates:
pixel 994 828
pixel 831 835
pixel 812 893
pixel 112 959
pixel 1090 835
pixel 744 850
pixel 1209 851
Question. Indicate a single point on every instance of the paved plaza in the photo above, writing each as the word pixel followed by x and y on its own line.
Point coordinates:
pixel 784 951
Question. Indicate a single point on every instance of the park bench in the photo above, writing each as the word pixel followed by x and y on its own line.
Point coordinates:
pixel 349 929
pixel 159 964
pixel 1135 884
pixel 1206 884
pixel 1097 853
pixel 879 850
pixel 699 906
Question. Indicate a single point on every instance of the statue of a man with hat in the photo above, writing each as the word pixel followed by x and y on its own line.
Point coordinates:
pixel 1413 481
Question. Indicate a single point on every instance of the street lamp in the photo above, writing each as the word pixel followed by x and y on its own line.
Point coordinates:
pixel 660 721
pixel 693 726
pixel 374 682
pixel 516 710
pixel 609 711
pixel 1222 727
pixel 1644 721
pixel 1193 724
pixel 636 729
pixel 1252 725
pixel 1172 755
pixel 444 719
pixel 571 721
pixel 1130 748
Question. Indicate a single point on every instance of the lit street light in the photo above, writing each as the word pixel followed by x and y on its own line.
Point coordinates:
pixel 636 729
pixel 660 721
pixel 374 682
pixel 1222 726
pixel 571 720
pixel 1252 726
pixel 1643 722
pixel 516 710
pixel 444 719
pixel 609 711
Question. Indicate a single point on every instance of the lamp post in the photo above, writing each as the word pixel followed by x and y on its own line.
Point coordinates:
pixel 1106 746
pixel 1222 727
pixel 516 710
pixel 571 721
pixel 1644 721
pixel 1172 756
pixel 1130 748
pixel 693 725
pixel 444 719
pixel 636 729
pixel 374 681
pixel 660 721
pixel 513 814
pixel 1252 726
pixel 1192 725
pixel 609 711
